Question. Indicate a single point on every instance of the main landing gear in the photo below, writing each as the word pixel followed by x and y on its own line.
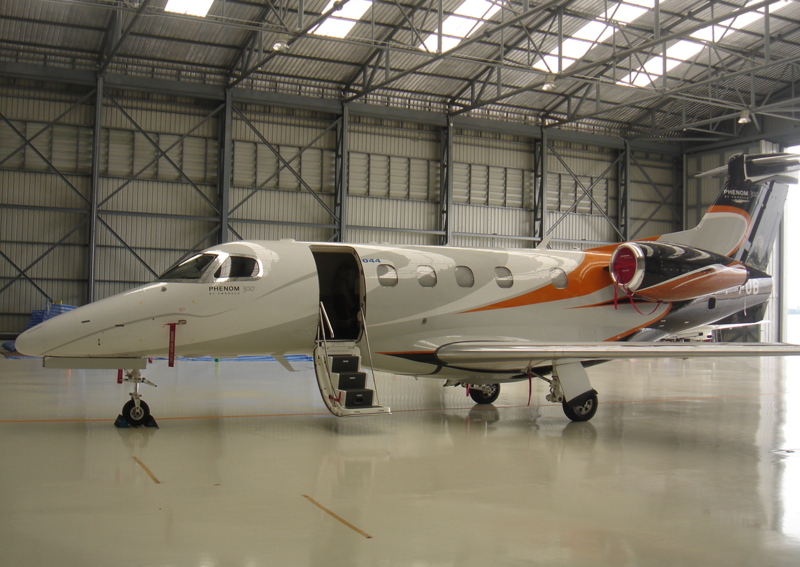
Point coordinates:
pixel 485 393
pixel 579 402
pixel 569 387
pixel 136 412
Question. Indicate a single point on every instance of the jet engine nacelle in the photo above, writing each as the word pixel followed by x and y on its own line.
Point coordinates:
pixel 657 271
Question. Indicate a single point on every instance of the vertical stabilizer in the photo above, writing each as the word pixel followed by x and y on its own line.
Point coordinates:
pixel 743 221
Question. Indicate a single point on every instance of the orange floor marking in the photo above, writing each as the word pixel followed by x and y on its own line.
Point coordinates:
pixel 148 471
pixel 345 522
pixel 682 399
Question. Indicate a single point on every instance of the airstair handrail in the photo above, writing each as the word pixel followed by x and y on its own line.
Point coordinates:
pixel 324 318
pixel 369 352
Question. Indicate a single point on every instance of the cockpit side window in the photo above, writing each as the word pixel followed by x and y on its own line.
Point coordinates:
pixel 238 268
pixel 191 269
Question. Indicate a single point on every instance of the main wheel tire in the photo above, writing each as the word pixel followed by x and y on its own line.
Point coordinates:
pixel 133 415
pixel 481 397
pixel 584 412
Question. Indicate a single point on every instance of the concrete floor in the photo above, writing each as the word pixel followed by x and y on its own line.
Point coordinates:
pixel 686 463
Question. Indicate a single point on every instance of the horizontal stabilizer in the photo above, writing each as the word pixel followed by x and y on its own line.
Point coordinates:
pixel 775 164
pixel 489 352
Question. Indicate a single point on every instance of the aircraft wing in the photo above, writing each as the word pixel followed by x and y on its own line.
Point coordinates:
pixel 497 352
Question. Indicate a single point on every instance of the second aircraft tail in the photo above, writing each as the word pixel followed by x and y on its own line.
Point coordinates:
pixel 743 221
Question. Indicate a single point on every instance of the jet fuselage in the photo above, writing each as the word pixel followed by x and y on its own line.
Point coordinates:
pixel 265 298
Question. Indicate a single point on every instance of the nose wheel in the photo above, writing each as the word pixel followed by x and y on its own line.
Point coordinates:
pixel 136 415
pixel 136 412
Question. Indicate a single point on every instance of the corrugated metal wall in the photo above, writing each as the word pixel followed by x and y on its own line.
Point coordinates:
pixel 656 191
pixel 43 227
pixel 492 190
pixel 582 191
pixel 268 201
pixel 154 209
pixel 393 183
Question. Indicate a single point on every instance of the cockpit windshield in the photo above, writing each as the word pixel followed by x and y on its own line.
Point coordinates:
pixel 192 269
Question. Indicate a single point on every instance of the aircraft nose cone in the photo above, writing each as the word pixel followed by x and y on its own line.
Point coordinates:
pixel 31 342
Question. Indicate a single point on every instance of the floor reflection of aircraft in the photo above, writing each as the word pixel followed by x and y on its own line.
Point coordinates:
pixel 473 318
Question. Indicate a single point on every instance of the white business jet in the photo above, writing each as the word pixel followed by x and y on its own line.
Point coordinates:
pixel 470 317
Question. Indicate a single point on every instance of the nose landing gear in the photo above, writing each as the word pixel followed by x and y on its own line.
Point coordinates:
pixel 136 412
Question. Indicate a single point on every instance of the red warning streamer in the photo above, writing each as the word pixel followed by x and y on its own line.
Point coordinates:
pixel 172 343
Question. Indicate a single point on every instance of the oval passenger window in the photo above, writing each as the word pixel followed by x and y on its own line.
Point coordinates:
pixel 426 276
pixel 464 276
pixel 503 277
pixel 387 275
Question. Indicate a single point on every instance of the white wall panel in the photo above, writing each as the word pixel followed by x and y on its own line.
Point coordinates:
pixel 43 189
pixel 287 206
pixel 392 213
pixel 574 226
pixel 492 151
pixel 44 106
pixel 402 142
pixel 491 221
pixel 284 130
pixel 376 236
pixel 159 116
pixel 149 232
pixel 158 197
pixel 251 231
pixel 584 160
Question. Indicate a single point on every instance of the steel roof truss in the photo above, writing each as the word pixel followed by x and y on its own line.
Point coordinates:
pixel 621 55
pixel 117 44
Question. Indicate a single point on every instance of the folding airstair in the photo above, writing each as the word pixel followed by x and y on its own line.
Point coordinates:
pixel 341 382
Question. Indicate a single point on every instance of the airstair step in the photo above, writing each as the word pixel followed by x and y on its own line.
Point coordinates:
pixel 345 363
pixel 356 398
pixel 352 381
pixel 342 384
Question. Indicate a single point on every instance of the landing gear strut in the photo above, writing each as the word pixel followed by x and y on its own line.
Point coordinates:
pixel 136 412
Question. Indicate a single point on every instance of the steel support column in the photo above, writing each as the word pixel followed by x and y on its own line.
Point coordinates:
pixel 623 194
pixel 539 204
pixel 224 160
pixel 94 192
pixel 342 176
pixel 446 184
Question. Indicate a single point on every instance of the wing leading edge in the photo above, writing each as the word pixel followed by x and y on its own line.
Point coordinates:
pixel 491 352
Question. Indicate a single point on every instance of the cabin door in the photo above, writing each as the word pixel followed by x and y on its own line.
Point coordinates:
pixel 341 290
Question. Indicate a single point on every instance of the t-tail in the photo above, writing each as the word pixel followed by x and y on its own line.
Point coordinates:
pixel 743 221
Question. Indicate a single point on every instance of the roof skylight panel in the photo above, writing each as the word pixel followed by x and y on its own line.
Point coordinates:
pixel 685 49
pixel 340 24
pixel 189 7
pixel 466 19
pixel 575 47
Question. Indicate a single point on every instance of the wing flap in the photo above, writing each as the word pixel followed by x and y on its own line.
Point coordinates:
pixel 491 352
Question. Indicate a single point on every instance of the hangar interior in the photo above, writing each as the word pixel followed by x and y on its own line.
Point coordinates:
pixel 132 136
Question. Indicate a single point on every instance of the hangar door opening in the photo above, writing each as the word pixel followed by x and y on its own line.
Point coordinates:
pixel 791 248
pixel 341 290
